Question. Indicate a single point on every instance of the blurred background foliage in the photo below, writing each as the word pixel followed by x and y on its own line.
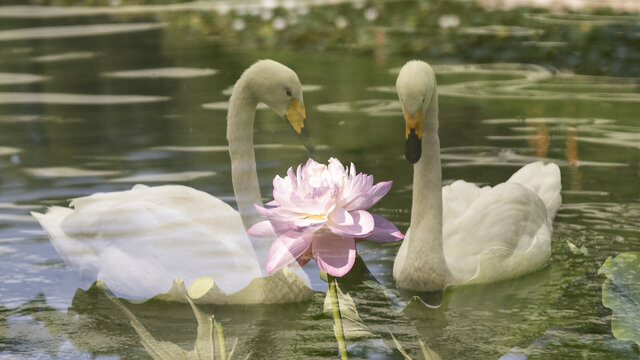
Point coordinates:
pixel 596 41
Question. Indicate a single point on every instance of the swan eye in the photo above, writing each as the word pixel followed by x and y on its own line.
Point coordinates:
pixel 288 92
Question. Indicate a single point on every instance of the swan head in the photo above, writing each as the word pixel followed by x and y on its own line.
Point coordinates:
pixel 278 87
pixel 416 86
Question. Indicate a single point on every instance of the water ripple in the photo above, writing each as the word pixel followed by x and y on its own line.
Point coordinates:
pixel 221 7
pixel 224 105
pixel 67 172
pixel 5 250
pixel 305 88
pixel 584 19
pixel 499 156
pixel 66 56
pixel 224 148
pixel 17 79
pixel 550 121
pixel 52 32
pixel 532 82
pixel 75 99
pixel 21 118
pixel 500 31
pixel 165 177
pixel 371 107
pixel 169 72
pixel 6 150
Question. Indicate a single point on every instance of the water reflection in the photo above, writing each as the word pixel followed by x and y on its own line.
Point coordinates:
pixel 572 155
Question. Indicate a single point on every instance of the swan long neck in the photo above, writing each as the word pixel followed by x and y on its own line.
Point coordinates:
pixel 425 267
pixel 242 110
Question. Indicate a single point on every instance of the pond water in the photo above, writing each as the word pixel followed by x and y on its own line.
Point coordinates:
pixel 101 97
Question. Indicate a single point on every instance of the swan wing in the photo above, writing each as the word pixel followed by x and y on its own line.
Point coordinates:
pixel 458 196
pixel 138 241
pixel 544 180
pixel 502 233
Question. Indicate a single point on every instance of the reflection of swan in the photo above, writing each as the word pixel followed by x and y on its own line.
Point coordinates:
pixel 462 233
pixel 139 240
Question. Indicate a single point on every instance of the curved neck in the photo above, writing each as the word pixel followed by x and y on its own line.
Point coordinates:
pixel 242 110
pixel 425 264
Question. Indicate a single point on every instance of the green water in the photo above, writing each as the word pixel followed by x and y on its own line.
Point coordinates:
pixel 563 87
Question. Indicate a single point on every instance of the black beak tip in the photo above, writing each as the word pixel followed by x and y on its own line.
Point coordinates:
pixel 306 140
pixel 413 148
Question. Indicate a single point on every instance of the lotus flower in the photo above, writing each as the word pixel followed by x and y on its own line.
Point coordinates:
pixel 318 211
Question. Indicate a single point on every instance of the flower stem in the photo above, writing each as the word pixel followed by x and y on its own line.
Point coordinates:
pixel 337 318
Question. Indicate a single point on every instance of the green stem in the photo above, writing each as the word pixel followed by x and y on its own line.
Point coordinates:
pixel 223 350
pixel 337 318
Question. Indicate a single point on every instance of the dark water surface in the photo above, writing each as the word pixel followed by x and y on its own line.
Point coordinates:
pixel 81 112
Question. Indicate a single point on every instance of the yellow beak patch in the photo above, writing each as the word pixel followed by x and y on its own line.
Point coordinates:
pixel 413 122
pixel 295 115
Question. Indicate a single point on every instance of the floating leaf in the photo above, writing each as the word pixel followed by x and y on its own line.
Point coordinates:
pixel 352 324
pixel 204 347
pixel 263 290
pixel 577 250
pixel 621 294
pixel 158 350
pixel 427 353
pixel 399 347
pixel 4 313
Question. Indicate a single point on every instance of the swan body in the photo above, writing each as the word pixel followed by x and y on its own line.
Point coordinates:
pixel 461 233
pixel 138 241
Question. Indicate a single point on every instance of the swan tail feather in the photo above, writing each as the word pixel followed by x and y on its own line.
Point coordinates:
pixel 71 250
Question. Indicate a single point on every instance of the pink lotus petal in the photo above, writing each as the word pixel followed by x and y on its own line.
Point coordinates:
pixel 280 226
pixel 323 205
pixel 279 213
pixel 262 211
pixel 334 254
pixel 350 224
pixel 263 229
pixel 384 231
pixel 306 256
pixel 287 248
pixel 371 197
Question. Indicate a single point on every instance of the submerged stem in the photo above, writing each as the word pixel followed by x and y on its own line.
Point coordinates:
pixel 223 351
pixel 337 318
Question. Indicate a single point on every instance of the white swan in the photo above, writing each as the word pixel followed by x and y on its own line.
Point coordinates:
pixel 138 241
pixel 461 233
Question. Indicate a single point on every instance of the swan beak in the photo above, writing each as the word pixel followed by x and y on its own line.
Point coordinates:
pixel 296 115
pixel 413 136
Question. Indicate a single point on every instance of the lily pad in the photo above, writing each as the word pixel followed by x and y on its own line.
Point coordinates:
pixel 621 294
